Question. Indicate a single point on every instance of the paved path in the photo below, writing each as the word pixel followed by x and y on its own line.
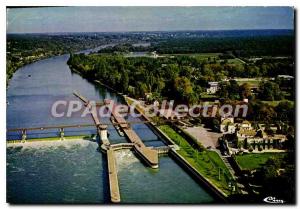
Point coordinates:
pixel 205 136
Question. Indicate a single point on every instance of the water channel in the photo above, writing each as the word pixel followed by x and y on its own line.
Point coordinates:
pixel 75 171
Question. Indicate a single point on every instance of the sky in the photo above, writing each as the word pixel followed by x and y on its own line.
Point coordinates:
pixel 118 19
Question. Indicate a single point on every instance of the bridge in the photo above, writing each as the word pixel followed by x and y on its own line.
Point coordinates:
pixel 162 149
pixel 121 146
pixel 149 155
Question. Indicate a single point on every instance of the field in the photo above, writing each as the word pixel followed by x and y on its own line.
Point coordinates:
pixel 198 55
pixel 235 61
pixel 254 82
pixel 275 103
pixel 208 163
pixel 254 161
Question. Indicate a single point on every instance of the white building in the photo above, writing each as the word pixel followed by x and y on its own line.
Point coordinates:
pixel 213 87
pixel 227 125
pixel 246 125
pixel 287 77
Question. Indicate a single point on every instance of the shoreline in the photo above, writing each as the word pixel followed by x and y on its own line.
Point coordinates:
pixel 48 142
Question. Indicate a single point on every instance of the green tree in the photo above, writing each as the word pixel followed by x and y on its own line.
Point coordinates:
pixel 270 91
pixel 245 90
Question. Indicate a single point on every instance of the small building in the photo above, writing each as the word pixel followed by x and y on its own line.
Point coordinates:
pixel 246 125
pixel 156 103
pixel 245 133
pixel 227 126
pixel 286 77
pixel 246 100
pixel 213 87
pixel 148 96
pixel 154 54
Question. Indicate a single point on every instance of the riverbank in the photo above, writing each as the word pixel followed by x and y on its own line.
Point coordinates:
pixel 207 163
pixel 207 172
pixel 20 65
pixel 81 169
pixel 97 82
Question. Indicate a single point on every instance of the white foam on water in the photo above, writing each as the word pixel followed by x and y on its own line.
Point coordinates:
pixel 125 158
pixel 50 144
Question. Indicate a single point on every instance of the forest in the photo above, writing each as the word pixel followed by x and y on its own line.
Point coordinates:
pixel 185 79
pixel 238 46
pixel 23 49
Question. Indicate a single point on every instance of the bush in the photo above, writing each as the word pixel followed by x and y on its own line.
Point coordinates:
pixel 250 149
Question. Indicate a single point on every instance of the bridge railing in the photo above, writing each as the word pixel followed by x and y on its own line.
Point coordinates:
pixel 44 133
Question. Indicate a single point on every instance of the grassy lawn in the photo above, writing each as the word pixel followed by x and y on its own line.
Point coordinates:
pixel 275 103
pixel 254 161
pixel 254 83
pixel 205 95
pixel 208 163
pixel 207 55
pixel 198 55
pixel 235 61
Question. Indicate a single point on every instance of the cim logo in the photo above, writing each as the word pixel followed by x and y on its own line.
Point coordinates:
pixel 273 200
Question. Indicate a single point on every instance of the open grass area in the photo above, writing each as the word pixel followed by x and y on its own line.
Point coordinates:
pixel 275 103
pixel 235 61
pixel 198 55
pixel 254 161
pixel 208 163
pixel 251 82
pixel 207 55
pixel 205 95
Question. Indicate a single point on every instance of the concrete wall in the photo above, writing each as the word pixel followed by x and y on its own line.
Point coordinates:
pixel 218 194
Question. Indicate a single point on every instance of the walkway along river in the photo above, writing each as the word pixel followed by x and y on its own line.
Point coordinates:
pixel 74 171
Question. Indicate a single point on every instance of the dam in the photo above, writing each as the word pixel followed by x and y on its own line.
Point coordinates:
pixel 78 171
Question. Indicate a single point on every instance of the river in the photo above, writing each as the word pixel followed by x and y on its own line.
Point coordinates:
pixel 75 171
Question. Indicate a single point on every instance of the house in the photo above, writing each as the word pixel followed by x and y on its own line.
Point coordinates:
pixel 249 137
pixel 156 103
pixel 213 87
pixel 246 125
pixel 154 54
pixel 286 77
pixel 148 96
pixel 258 139
pixel 246 100
pixel 245 130
pixel 227 126
pixel 245 133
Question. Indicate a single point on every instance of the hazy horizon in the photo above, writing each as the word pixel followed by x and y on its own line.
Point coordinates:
pixel 146 19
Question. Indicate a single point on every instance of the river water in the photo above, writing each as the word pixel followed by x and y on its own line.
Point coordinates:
pixel 75 171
